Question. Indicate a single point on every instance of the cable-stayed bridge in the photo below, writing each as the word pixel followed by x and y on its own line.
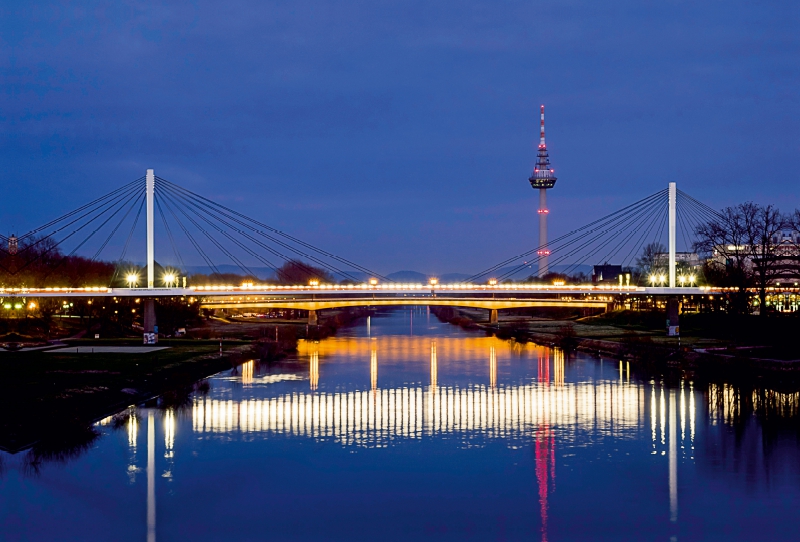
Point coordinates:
pixel 190 223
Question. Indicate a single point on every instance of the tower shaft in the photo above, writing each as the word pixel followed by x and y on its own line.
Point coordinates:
pixel 544 253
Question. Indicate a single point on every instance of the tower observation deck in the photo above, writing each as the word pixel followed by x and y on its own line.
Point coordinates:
pixel 543 178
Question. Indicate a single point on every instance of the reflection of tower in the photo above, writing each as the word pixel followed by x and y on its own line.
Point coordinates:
pixel 544 366
pixel 543 178
pixel 545 470
pixel 545 445
pixel 313 369
pixel 492 367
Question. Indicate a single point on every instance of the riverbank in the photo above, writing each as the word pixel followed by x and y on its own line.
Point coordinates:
pixel 59 393
pixel 51 393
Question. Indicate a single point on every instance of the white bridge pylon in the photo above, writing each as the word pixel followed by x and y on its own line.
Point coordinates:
pixel 150 183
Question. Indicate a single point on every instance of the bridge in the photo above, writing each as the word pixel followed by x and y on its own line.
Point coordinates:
pixel 239 238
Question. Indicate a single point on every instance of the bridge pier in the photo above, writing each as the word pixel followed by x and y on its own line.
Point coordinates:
pixel 149 320
pixel 313 320
pixel 493 319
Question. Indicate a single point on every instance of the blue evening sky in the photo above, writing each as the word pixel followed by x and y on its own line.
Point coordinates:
pixel 400 134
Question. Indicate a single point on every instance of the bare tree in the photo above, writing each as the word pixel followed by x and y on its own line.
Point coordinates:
pixel 725 239
pixel 650 258
pixel 765 225
pixel 742 243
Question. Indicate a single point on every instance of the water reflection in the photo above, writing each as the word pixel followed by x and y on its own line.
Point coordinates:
pixel 427 433
pixel 151 478
pixel 514 411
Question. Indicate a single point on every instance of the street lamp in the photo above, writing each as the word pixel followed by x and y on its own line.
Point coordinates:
pixel 373 282
pixel 492 282
pixel 313 282
pixel 653 279
pixel 170 279
pixel 682 278
pixel 663 279
pixel 132 280
pixel 433 282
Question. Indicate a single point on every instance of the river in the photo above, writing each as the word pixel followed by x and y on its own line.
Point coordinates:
pixel 403 427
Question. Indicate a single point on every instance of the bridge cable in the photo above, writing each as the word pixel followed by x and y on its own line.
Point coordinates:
pixel 134 197
pixel 274 230
pixel 329 267
pixel 169 233
pixel 127 243
pixel 216 243
pixel 600 221
pixel 57 244
pixel 79 209
pixel 597 231
pixel 635 224
pixel 635 219
pixel 192 240
pixel 114 231
pixel 261 258
pixel 638 245
pixel 234 240
pixel 624 243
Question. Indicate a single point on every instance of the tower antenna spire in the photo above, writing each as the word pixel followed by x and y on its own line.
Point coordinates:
pixel 541 134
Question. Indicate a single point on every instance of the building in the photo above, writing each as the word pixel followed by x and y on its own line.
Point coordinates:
pixel 608 274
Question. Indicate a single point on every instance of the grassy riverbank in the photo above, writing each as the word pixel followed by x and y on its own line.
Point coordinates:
pixel 55 394
pixel 45 393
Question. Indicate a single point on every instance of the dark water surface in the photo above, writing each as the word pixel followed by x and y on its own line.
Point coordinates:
pixel 405 428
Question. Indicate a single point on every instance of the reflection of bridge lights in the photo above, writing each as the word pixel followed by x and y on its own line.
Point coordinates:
pixel 492 367
pixel 247 372
pixel 515 413
pixel 133 429
pixel 313 370
pixel 373 368
pixel 434 366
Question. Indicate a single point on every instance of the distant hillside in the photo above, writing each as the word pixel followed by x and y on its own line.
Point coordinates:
pixel 407 276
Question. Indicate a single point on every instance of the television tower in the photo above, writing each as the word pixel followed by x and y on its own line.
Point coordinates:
pixel 543 178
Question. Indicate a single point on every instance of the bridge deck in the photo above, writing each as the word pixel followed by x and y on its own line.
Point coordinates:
pixel 357 290
pixel 476 303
